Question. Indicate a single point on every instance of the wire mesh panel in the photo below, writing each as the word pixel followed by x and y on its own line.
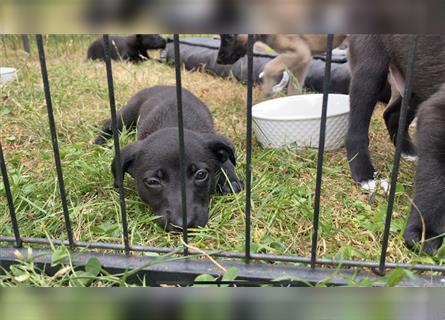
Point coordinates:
pixel 251 270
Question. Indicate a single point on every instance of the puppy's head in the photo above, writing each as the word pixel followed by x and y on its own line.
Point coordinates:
pixel 154 164
pixel 151 41
pixel 232 48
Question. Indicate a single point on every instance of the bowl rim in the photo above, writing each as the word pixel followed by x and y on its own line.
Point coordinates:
pixel 7 70
pixel 299 118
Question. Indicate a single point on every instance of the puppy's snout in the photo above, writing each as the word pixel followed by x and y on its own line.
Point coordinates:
pixel 224 58
pixel 174 220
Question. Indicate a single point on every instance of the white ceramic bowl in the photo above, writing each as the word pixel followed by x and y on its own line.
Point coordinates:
pixel 295 120
pixel 7 74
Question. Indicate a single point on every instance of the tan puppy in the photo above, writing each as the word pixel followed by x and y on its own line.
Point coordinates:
pixel 295 54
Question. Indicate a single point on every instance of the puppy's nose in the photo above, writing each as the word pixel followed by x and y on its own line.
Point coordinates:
pixel 175 221
pixel 179 222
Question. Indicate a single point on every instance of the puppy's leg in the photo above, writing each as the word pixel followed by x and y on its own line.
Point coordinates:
pixel 296 62
pixel 145 55
pixel 272 73
pixel 299 69
pixel 391 116
pixel 231 182
pixel 392 112
pixel 369 72
pixel 127 117
pixel 428 212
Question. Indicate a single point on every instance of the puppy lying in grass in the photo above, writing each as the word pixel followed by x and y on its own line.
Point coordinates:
pixel 131 48
pixel 153 160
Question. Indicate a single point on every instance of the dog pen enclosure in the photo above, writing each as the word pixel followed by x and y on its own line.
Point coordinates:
pixel 253 268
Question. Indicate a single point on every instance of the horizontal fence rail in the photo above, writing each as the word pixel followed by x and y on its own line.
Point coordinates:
pixel 374 265
pixel 379 268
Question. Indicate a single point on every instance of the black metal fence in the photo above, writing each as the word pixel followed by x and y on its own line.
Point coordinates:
pixel 184 270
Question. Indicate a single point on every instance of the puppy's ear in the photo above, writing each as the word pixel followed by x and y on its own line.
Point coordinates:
pixel 139 38
pixel 222 148
pixel 128 155
pixel 227 37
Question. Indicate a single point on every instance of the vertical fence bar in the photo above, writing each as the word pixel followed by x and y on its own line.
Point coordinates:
pixel 117 150
pixel 321 144
pixel 249 144
pixel 398 152
pixel 25 42
pixel 52 126
pixel 182 163
pixel 10 199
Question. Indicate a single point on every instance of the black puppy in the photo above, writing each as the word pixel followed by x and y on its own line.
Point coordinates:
pixel 153 161
pixel 132 48
pixel 371 58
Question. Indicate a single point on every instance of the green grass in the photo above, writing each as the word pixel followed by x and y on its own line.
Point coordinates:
pixel 283 181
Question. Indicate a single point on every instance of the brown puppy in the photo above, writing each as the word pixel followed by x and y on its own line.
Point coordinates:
pixel 295 54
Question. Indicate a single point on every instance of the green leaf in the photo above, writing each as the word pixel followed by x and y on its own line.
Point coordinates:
pixel 151 254
pixel 230 274
pixel 400 188
pixel 106 227
pixel 441 252
pixel 93 266
pixel 82 279
pixel 22 278
pixel 58 256
pixel 4 111
pixel 410 274
pixel 395 277
pixel 204 278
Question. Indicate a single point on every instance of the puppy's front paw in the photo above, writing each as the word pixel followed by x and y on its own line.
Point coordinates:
pixel 100 140
pixel 413 240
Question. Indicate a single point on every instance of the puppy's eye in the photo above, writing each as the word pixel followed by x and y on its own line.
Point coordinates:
pixel 201 175
pixel 152 182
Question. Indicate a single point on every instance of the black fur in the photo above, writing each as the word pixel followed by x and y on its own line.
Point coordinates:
pixel 429 193
pixel 370 57
pixel 231 49
pixel 153 160
pixel 131 48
